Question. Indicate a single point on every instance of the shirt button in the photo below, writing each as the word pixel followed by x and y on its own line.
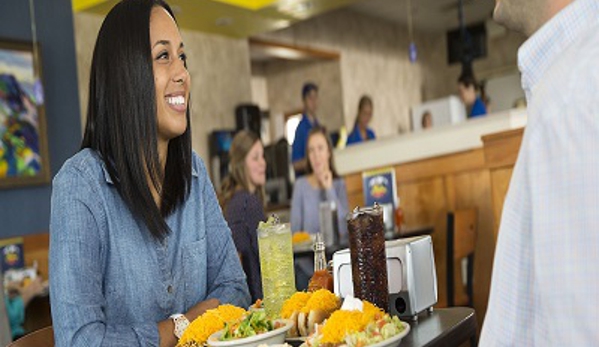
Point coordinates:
pixel 169 289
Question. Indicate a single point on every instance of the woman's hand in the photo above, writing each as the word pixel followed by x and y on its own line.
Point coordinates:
pixel 200 308
pixel 166 328
pixel 34 288
pixel 325 179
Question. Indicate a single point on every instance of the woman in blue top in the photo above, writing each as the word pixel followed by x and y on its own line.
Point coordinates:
pixel 361 131
pixel 242 200
pixel 467 87
pixel 138 243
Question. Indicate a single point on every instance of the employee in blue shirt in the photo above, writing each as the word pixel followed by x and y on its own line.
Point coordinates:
pixel 309 120
pixel 361 130
pixel 467 87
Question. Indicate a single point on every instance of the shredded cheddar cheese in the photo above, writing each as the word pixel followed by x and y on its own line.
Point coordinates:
pixel 344 322
pixel 295 303
pixel 341 323
pixel 207 324
pixel 370 313
pixel 323 300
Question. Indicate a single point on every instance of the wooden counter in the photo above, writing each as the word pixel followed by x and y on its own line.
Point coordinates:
pixel 428 189
pixel 431 187
pixel 501 152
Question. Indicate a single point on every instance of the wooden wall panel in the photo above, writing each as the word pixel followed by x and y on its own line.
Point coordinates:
pixel 500 182
pixel 36 248
pixel 501 150
pixel 424 203
pixel 354 200
pixel 441 166
pixel 473 189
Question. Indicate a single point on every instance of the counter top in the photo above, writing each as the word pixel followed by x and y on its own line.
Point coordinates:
pixel 426 144
pixel 443 327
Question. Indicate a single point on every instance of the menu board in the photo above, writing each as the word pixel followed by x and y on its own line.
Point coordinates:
pixel 379 186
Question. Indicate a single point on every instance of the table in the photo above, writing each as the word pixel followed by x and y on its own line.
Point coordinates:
pixel 443 327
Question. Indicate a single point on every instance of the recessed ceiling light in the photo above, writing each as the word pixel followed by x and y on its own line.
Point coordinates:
pixel 296 8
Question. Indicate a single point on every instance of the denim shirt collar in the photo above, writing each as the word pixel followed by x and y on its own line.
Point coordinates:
pixel 109 179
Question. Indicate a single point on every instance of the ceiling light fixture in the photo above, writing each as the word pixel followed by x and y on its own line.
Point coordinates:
pixel 298 9
pixel 412 51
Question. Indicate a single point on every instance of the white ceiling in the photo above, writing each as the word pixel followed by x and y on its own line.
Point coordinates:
pixel 428 15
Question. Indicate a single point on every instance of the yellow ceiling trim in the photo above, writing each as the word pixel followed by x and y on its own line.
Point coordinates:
pixel 82 5
pixel 249 4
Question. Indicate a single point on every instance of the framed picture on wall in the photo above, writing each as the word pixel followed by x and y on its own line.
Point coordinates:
pixel 23 143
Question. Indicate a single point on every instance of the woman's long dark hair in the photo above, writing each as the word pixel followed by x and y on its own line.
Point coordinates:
pixel 122 119
pixel 364 100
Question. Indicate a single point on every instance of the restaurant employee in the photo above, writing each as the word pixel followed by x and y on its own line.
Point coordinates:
pixel 138 243
pixel 309 120
pixel 467 88
pixel 362 132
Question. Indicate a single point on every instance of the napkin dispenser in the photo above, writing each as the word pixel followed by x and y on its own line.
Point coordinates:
pixel 410 271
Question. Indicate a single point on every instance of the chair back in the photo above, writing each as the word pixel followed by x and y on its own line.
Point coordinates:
pixel 39 338
pixel 462 231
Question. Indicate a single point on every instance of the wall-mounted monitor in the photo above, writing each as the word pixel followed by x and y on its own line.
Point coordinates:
pixel 476 37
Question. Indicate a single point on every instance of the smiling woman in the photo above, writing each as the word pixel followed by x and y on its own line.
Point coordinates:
pixel 134 213
pixel 171 77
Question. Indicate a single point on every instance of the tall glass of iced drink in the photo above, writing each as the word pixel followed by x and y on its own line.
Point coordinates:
pixel 368 260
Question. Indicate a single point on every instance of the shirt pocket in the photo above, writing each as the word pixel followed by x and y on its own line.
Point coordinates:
pixel 195 271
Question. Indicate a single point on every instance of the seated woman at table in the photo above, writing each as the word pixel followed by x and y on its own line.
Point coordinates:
pixel 242 200
pixel 19 295
pixel 322 183
pixel 138 243
pixel 362 132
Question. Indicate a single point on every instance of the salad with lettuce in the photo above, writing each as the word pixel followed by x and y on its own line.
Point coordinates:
pixel 346 333
pixel 253 324
pixel 375 332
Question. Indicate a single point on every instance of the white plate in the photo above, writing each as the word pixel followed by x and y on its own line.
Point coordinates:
pixel 273 337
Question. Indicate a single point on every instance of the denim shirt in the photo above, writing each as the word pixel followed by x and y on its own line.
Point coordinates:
pixel 110 281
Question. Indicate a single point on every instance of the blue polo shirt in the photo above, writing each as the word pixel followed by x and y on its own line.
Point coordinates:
pixel 478 109
pixel 356 137
pixel 298 149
